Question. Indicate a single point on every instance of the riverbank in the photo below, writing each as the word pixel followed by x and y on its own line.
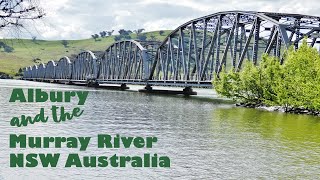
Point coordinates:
pixel 290 110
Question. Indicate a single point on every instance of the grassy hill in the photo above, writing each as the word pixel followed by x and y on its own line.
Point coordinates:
pixel 27 52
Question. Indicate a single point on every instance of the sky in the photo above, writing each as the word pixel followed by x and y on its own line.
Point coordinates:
pixel 79 19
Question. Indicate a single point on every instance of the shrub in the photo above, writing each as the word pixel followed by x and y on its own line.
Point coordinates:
pixel 294 84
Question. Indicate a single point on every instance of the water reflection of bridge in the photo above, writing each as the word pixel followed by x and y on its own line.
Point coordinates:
pixel 190 55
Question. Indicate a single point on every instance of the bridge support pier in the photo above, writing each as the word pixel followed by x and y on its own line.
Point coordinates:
pixel 93 84
pixel 148 87
pixel 122 87
pixel 69 83
pixel 187 91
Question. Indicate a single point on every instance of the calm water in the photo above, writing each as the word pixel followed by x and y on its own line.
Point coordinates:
pixel 204 138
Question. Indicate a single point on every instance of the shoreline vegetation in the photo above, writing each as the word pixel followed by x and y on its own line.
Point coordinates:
pixel 291 110
pixel 5 76
pixel 291 87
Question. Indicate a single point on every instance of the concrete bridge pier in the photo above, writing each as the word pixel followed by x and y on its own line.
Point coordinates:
pixel 187 91
pixel 93 84
pixel 122 87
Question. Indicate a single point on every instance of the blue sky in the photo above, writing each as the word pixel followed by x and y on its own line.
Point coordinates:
pixel 78 19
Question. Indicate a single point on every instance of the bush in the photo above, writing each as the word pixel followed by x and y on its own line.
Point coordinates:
pixel 142 37
pixel 8 49
pixel 117 38
pixel 161 33
pixel 65 43
pixel 294 84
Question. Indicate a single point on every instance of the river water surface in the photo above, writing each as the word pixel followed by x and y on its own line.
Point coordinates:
pixel 205 138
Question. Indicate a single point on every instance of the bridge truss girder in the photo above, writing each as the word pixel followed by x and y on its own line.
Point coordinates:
pixel 63 69
pixel 127 60
pixel 198 49
pixel 191 54
pixel 84 67
pixel 40 71
pixel 50 70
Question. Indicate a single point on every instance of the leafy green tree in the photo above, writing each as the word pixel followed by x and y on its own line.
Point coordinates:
pixel 117 38
pixel 8 49
pixel 110 32
pixel 142 37
pixel 138 31
pixel 300 79
pixel 34 39
pixel 161 33
pixel 124 32
pixel 65 43
pixel 95 36
pixel 153 37
pixel 270 78
pixel 103 34
pixel 293 85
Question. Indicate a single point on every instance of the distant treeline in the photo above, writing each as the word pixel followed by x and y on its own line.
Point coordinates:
pixel 126 35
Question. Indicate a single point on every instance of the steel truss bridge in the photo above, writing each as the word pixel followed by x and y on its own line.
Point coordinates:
pixel 190 55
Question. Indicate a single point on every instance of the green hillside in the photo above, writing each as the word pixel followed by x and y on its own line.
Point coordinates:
pixel 27 52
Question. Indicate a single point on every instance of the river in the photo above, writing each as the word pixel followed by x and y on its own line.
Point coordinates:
pixel 205 137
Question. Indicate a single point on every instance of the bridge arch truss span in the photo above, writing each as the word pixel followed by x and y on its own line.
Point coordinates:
pixel 40 71
pixel 63 69
pixel 201 47
pixel 84 67
pixel 34 70
pixel 50 70
pixel 27 72
pixel 127 60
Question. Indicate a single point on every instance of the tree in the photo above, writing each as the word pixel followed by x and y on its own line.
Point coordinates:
pixel 65 43
pixel 244 86
pixel 117 38
pixel 95 36
pixel 2 44
pixel 110 33
pixel 293 85
pixel 300 79
pixel 34 39
pixel 142 37
pixel 14 13
pixel 36 60
pixel 161 33
pixel 127 37
pixel 20 72
pixel 124 32
pixel 103 34
pixel 6 48
pixel 139 31
pixel 153 37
